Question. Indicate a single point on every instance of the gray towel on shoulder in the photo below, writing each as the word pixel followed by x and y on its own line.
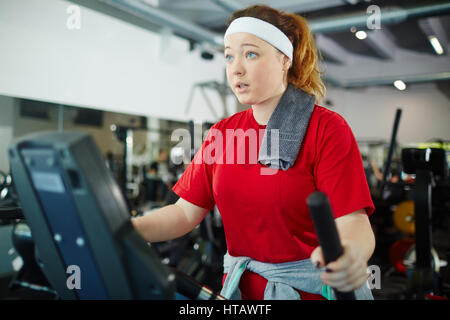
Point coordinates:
pixel 286 129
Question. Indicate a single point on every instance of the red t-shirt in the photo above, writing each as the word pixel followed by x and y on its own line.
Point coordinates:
pixel 265 216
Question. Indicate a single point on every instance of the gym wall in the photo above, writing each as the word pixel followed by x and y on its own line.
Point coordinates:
pixel 106 64
pixel 371 111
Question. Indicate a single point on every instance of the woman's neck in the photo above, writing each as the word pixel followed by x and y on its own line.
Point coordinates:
pixel 263 111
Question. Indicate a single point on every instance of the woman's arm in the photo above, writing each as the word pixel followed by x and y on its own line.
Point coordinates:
pixel 169 222
pixel 355 228
pixel 349 272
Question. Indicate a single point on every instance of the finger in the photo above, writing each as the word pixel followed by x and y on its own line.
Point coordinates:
pixel 337 273
pixel 353 272
pixel 353 280
pixel 333 278
pixel 335 282
pixel 347 275
pixel 317 258
pixel 344 279
pixel 352 286
pixel 340 265
pixel 345 261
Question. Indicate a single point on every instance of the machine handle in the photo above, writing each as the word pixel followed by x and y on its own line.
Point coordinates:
pixel 327 233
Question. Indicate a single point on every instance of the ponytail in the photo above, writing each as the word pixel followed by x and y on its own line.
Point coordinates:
pixel 304 72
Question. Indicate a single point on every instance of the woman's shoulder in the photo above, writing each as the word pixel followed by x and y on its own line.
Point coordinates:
pixel 325 118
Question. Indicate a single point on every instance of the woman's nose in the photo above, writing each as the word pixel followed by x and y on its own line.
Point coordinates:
pixel 237 67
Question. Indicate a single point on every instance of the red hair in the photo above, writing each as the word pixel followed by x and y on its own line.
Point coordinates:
pixel 304 72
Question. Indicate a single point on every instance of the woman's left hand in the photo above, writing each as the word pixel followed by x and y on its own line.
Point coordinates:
pixel 347 273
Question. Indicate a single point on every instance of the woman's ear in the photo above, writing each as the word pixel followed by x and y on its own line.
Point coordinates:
pixel 286 63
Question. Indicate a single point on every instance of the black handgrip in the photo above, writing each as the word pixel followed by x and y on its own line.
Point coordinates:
pixel 327 234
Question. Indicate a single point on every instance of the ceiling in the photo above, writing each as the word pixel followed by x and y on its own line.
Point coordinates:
pixel 396 47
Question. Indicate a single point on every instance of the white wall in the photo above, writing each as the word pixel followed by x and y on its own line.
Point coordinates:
pixel 371 111
pixel 6 130
pixel 106 64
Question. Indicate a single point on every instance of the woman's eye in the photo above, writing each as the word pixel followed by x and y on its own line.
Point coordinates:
pixel 251 55
pixel 228 58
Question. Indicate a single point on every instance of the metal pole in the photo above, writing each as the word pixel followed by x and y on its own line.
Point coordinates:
pixel 391 150
pixel 60 118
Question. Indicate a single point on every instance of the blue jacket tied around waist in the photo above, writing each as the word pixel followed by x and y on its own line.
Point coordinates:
pixel 282 278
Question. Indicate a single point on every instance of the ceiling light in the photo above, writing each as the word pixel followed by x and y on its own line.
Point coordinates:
pixel 400 85
pixel 361 35
pixel 436 45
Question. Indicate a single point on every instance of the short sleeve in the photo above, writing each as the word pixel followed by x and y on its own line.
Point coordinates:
pixel 195 185
pixel 339 171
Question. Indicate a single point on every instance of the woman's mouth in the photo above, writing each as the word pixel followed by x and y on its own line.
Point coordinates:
pixel 242 87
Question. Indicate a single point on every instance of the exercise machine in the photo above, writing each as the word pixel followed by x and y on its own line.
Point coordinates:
pixel 79 220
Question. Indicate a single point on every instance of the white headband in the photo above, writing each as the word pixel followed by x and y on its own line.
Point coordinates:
pixel 264 30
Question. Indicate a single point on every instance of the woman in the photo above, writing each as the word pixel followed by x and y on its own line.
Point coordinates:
pixel 273 251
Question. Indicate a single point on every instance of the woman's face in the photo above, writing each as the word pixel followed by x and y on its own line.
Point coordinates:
pixel 256 71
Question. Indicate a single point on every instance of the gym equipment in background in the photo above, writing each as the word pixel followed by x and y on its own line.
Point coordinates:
pixel 392 145
pixel 429 165
pixel 404 217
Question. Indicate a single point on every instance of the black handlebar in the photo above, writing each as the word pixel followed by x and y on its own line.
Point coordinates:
pixel 327 234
